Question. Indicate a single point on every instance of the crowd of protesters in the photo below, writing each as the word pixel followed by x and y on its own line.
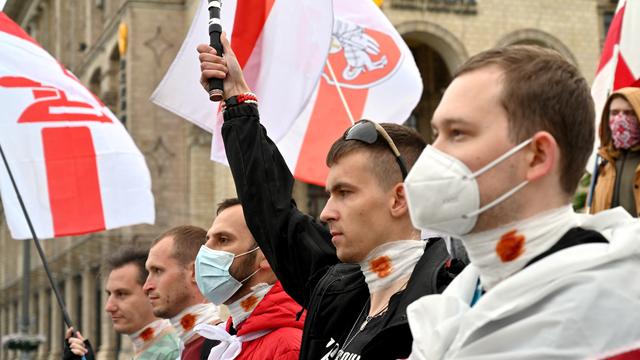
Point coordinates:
pixel 514 133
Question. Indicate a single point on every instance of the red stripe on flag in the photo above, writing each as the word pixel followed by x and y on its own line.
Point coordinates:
pixel 72 179
pixel 613 38
pixel 630 355
pixel 623 76
pixel 251 16
pixel 10 27
pixel 328 121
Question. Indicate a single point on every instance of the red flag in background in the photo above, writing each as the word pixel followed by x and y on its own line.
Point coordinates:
pixel 620 62
pixel 372 66
pixel 283 47
pixel 77 168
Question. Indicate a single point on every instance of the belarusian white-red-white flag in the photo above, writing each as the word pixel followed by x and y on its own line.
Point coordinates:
pixel 77 168
pixel 377 75
pixel 373 66
pixel 620 62
pixel 281 46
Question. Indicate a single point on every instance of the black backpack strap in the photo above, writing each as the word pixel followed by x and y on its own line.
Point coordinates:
pixel 207 345
pixel 442 268
pixel 575 236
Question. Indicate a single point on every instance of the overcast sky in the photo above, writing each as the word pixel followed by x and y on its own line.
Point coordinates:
pixel 2 3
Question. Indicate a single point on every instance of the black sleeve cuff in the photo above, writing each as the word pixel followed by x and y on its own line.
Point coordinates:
pixel 241 110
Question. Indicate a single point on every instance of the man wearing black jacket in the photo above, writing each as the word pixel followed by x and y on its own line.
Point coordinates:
pixel 356 278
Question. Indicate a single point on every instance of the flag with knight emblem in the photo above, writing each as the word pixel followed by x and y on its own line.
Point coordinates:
pixel 77 168
pixel 377 75
pixel 299 102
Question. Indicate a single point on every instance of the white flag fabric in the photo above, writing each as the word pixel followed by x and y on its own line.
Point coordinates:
pixel 378 78
pixel 77 168
pixel 372 64
pixel 620 62
pixel 281 46
pixel 577 303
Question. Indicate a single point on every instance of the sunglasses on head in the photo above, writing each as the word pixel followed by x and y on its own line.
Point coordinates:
pixel 367 132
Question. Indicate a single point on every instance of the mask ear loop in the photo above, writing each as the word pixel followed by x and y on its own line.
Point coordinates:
pixel 488 167
pixel 255 272
pixel 498 200
pixel 247 252
pixel 500 159
pixel 249 277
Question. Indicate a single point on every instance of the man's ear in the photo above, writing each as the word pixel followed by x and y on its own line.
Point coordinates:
pixel 399 206
pixel 263 264
pixel 542 156
pixel 192 271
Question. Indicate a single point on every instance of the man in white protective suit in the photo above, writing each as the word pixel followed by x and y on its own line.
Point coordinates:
pixel 514 131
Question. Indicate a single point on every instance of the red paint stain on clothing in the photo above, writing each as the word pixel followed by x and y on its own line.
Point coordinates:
pixel 381 266
pixel 249 303
pixel 188 321
pixel 510 246
pixel 147 334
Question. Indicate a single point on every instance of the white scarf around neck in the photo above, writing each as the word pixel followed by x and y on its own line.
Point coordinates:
pixel 499 253
pixel 148 334
pixel 230 345
pixel 391 261
pixel 188 318
pixel 243 307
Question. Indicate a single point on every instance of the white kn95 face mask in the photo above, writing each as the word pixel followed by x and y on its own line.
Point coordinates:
pixel 443 193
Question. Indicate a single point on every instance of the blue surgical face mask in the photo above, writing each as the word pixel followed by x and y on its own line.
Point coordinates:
pixel 213 277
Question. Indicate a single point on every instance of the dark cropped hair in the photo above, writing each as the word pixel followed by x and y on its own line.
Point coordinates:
pixel 542 91
pixel 383 163
pixel 187 240
pixel 227 203
pixel 126 255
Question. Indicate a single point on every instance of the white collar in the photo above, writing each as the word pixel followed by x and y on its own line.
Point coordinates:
pixel 188 318
pixel 391 261
pixel 243 307
pixel 148 334
pixel 499 253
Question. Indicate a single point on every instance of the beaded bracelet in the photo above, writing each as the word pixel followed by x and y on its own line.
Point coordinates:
pixel 244 98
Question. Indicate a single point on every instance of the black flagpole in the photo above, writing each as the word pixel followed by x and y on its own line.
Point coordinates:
pixel 215 29
pixel 36 242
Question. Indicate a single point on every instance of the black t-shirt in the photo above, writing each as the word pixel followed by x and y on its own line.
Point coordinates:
pixel 358 338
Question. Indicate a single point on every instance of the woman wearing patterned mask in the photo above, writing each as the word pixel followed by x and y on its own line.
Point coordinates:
pixel 618 179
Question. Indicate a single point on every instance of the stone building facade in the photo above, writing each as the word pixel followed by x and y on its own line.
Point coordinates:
pixel 83 35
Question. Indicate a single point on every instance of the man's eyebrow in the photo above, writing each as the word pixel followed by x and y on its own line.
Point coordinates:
pixel 122 290
pixel 336 186
pixel 218 233
pixel 449 121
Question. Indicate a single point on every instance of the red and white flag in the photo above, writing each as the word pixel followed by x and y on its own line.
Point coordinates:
pixel 373 67
pixel 620 62
pixel 281 46
pixel 77 168
pixel 378 78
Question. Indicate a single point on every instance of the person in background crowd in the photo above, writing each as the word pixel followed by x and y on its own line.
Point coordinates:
pixel 514 131
pixel 130 310
pixel 231 269
pixel 618 175
pixel 172 289
pixel 355 278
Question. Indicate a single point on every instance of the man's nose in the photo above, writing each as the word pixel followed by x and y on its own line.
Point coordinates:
pixel 109 306
pixel 147 287
pixel 328 213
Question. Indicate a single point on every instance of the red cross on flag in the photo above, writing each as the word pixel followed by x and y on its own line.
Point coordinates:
pixel 287 49
pixel 77 168
pixel 620 62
